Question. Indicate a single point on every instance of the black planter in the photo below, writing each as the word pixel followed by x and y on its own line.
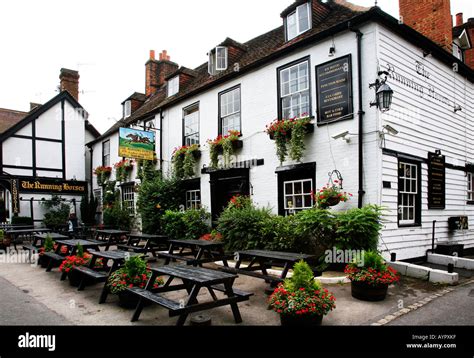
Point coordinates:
pixel 44 261
pixel 236 144
pixel 303 320
pixel 75 279
pixel 309 129
pixel 365 292
pixel 129 301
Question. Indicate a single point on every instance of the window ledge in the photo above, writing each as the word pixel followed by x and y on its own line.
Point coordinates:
pixel 409 225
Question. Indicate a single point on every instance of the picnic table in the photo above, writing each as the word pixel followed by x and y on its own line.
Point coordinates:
pixel 14 234
pixel 71 244
pixel 152 243
pixel 110 236
pixel 38 242
pixel 117 257
pixel 195 252
pixel 193 280
pixel 261 260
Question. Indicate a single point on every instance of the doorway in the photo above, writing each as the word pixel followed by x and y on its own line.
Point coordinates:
pixel 226 184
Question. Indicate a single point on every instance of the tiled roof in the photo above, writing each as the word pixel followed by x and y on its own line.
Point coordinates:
pixel 8 118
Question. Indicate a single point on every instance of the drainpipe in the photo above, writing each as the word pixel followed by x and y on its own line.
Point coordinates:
pixel 91 164
pixel 161 141
pixel 360 114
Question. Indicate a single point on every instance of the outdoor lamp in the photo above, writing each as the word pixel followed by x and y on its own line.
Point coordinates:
pixel 383 93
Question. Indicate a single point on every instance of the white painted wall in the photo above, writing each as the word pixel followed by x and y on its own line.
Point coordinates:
pixel 426 125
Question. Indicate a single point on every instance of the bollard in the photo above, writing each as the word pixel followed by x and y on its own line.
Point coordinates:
pixel 450 268
pixel 393 257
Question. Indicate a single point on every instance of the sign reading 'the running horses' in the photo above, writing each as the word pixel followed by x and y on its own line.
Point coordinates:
pixel 334 90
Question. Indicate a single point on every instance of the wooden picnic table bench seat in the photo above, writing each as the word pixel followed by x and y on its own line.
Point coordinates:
pixel 237 292
pixel 187 259
pixel 96 275
pixel 156 298
pixel 53 257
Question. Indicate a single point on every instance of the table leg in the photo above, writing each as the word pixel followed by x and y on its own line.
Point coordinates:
pixel 285 270
pixel 198 257
pixel 235 308
pixel 105 290
pixel 149 286
pixel 82 285
pixel 192 298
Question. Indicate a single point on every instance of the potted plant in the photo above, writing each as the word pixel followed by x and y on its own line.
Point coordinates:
pixel 184 161
pixel 123 169
pixel 301 300
pixel 103 174
pixel 330 195
pixel 80 259
pixel 134 273
pixel 225 145
pixel 370 277
pixel 289 136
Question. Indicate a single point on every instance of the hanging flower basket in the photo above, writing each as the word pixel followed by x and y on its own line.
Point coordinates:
pixel 123 169
pixel 330 195
pixel 289 136
pixel 224 145
pixel 103 174
pixel 184 161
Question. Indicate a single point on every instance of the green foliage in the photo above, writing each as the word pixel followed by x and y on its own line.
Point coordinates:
pixel 186 225
pixel 111 194
pixel 303 277
pixel 48 244
pixel 89 209
pixel 155 196
pixel 117 217
pixel 242 228
pixel 146 170
pixel 372 259
pixel 22 220
pixel 281 148
pixel 135 266
pixel 188 165
pixel 178 166
pixel 359 229
pixel 80 250
pixel 297 146
pixel 57 212
pixel 315 230
pixel 279 234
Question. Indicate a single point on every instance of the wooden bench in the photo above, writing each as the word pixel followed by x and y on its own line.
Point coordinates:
pixel 189 260
pixel 30 248
pixel 53 257
pixel 237 292
pixel 156 298
pixel 97 276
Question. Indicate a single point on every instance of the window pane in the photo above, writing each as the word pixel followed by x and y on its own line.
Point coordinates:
pixel 298 201
pixel 303 18
pixel 308 201
pixel 298 187
pixel 307 187
pixel 289 188
pixel 292 30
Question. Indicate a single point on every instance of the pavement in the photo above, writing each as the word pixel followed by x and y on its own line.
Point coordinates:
pixel 31 296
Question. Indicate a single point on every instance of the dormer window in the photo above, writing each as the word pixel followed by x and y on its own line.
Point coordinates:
pixel 298 21
pixel 218 60
pixel 173 86
pixel 127 109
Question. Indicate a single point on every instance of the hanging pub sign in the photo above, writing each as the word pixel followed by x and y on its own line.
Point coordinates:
pixel 15 193
pixel 136 144
pixel 436 181
pixel 334 90
pixel 55 186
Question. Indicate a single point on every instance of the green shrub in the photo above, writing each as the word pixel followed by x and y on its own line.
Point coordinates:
pixel 186 225
pixel 116 217
pixel 315 230
pixel 22 220
pixel 303 277
pixel 279 234
pixel 57 213
pixel 243 228
pixel 359 229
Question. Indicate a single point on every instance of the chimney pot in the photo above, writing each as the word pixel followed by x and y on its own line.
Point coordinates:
pixel 459 19
pixel 471 19
pixel 152 54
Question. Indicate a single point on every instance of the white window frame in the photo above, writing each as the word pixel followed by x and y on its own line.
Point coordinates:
pixel 294 195
pixel 106 144
pixel 127 109
pixel 191 113
pixel 193 201
pixel 225 58
pixel 300 91
pixel 297 16
pixel 236 109
pixel 470 187
pixel 128 199
pixel 173 86
pixel 211 65
pixel 408 197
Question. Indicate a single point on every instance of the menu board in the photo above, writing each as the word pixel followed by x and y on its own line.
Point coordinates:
pixel 436 181
pixel 334 90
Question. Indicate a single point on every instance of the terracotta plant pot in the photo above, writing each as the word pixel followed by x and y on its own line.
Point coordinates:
pixel 365 292
pixel 303 320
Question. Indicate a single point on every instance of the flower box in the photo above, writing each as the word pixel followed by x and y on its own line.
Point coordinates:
pixel 196 154
pixel 309 129
pixel 236 144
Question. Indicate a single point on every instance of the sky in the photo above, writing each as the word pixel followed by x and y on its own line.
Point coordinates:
pixel 108 42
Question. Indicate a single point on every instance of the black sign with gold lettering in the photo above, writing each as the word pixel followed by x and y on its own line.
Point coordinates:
pixel 334 90
pixel 15 192
pixel 55 186
pixel 436 181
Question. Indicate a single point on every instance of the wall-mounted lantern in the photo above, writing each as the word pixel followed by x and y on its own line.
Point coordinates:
pixel 383 93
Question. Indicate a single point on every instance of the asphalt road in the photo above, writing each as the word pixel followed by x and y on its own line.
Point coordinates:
pixel 453 309
pixel 18 309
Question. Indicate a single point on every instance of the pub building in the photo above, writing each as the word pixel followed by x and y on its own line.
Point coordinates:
pixel 43 154
pixel 390 101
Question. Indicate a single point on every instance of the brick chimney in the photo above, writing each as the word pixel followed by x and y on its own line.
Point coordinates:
pixel 157 71
pixel 69 81
pixel 432 18
pixel 469 54
pixel 459 19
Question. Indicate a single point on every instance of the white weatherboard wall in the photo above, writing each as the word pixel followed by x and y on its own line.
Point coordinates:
pixel 425 125
pixel 259 108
